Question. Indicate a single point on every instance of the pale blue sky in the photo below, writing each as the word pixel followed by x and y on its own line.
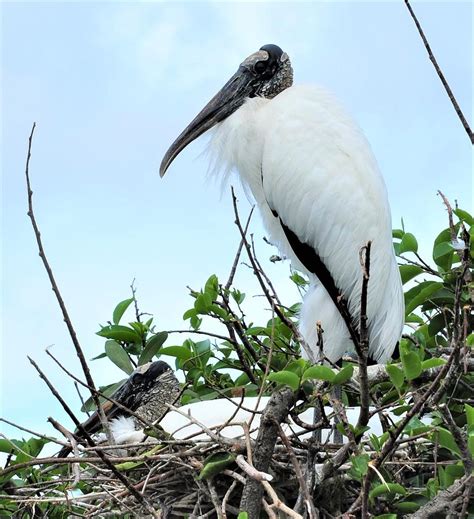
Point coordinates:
pixel 110 85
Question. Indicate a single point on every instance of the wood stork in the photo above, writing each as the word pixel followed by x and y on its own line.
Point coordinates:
pixel 319 191
pixel 146 392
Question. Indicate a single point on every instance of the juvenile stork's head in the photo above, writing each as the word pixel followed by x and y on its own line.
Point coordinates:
pixel 264 73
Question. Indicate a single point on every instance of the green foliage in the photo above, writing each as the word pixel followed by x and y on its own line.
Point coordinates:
pixel 248 357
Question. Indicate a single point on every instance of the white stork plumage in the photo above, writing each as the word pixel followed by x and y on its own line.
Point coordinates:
pixel 319 191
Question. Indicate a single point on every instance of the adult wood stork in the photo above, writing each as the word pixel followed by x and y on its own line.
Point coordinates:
pixel 319 191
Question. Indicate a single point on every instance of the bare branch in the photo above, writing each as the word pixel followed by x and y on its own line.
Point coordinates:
pixel 441 75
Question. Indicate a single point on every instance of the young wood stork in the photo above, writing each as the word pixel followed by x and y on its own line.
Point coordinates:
pixel 147 392
pixel 319 191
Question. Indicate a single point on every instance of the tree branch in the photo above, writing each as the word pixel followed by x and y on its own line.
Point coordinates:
pixel 441 75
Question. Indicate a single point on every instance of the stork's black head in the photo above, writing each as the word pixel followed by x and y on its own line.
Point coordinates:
pixel 146 376
pixel 141 381
pixel 264 73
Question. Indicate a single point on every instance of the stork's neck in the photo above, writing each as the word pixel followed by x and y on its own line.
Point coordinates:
pixel 237 145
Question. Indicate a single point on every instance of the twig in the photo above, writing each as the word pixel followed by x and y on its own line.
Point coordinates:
pixel 440 74
pixel 75 466
pixel 227 497
pixel 312 512
pixel 52 280
pixel 48 438
pixel 258 275
pixel 255 474
pixel 278 503
pixel 215 499
pixel 233 270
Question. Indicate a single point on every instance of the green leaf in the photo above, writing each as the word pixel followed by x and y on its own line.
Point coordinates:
pixel 419 294
pixel 374 441
pixel 189 313
pixel 180 352
pixel 436 324
pixel 195 322
pixel 432 363
pixel 120 309
pixel 407 507
pixel 386 488
pixel 360 465
pixel 464 216
pixel 35 445
pixel 470 441
pixel 446 440
pixel 256 330
pixel 408 272
pixel 219 311
pixel 469 415
pixel 416 426
pixel 396 375
pixel 408 243
pixel 120 333
pixel 203 303
pixel 118 356
pixel 238 296
pixel 6 445
pixel 298 279
pixel 286 378
pixel 319 373
pixel 212 287
pixel 448 475
pixel 443 251
pixel 243 515
pixel 216 463
pixel 153 344
pixel 344 374
pixel 89 404
pixel 443 254
pixel 398 233
pixel 398 411
pixel 100 356
pixel 297 366
pixel 411 365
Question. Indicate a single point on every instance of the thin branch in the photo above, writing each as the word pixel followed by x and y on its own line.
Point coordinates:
pixel 363 350
pixel 441 75
pixel 54 286
pixel 261 281
pixel 312 512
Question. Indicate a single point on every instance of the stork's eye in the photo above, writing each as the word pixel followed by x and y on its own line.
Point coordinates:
pixel 260 66
pixel 137 378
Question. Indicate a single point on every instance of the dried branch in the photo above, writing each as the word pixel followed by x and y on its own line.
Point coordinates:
pixel 441 75
pixel 446 502
pixel 52 280
pixel 277 409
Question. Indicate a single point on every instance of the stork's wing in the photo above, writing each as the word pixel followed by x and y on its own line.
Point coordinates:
pixel 310 259
pixel 321 181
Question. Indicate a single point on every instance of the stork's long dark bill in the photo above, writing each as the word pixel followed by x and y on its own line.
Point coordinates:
pixel 223 104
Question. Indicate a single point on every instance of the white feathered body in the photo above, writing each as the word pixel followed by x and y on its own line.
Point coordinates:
pixel 303 156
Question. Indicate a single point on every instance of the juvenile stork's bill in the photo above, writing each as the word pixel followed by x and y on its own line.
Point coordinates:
pixel 319 191
pixel 147 392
